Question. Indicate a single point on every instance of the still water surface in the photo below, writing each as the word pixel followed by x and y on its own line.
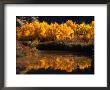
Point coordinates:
pixel 55 62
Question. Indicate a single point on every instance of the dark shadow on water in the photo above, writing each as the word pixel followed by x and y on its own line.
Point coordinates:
pixel 51 71
pixel 60 52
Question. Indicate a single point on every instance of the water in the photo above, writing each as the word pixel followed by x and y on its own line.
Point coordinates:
pixel 56 62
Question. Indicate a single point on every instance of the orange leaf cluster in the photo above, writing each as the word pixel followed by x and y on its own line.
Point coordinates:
pixel 54 31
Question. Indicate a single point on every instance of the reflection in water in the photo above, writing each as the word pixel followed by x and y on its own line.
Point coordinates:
pixel 55 61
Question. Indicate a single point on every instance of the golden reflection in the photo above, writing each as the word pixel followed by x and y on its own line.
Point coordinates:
pixel 67 63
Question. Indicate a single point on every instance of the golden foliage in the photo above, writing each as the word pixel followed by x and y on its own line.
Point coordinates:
pixel 55 31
